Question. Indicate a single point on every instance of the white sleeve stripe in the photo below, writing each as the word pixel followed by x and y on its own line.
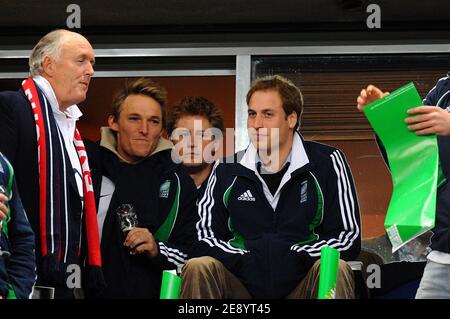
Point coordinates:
pixel 354 229
pixel 171 255
pixel 340 195
pixel 203 202
pixel 208 207
pixel 332 242
pixel 345 195
pixel 173 250
pixel 219 243
pixel 204 207
pixel 351 195
pixel 200 224
pixel 204 229
pixel 213 242
pixel 318 245
pixel 200 204
pixel 172 260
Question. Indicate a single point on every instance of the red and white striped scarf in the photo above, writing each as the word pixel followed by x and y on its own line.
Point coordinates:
pixel 54 208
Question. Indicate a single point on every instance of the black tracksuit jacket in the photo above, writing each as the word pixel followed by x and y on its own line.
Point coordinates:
pixel 269 250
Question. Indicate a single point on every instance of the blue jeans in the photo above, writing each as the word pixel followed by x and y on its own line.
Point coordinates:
pixel 435 283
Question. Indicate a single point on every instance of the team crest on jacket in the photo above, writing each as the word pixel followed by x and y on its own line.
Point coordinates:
pixel 304 192
pixel 164 189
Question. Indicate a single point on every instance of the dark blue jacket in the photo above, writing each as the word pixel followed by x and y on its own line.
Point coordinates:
pixel 18 142
pixel 158 189
pixel 440 241
pixel 271 250
pixel 18 272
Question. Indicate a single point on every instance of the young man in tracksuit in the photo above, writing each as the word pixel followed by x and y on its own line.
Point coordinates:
pixel 265 217
pixel 133 166
pixel 431 118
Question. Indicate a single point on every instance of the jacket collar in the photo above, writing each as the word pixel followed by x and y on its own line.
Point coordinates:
pixel 109 141
pixel 298 157
pixel 299 163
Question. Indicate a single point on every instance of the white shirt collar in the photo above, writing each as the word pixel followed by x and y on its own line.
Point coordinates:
pixel 72 112
pixel 297 157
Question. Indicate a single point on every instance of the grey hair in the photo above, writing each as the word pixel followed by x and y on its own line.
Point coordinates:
pixel 48 45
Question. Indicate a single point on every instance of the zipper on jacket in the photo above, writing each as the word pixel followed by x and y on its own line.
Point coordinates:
pixel 280 200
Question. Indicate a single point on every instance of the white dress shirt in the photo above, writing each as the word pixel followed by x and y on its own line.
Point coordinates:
pixel 66 122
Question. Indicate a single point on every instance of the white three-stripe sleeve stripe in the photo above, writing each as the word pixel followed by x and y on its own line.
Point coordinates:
pixel 174 250
pixel 211 240
pixel 351 195
pixel 346 196
pixel 354 230
pixel 172 258
pixel 346 203
pixel 172 254
pixel 204 225
pixel 203 202
pixel 317 246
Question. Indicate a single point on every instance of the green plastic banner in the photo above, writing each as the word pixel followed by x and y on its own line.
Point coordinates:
pixel 329 263
pixel 170 285
pixel 414 165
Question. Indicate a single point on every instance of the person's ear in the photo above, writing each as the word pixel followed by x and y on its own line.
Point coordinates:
pixel 48 65
pixel 112 123
pixel 292 120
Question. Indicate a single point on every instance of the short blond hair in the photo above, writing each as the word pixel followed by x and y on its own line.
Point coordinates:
pixel 141 86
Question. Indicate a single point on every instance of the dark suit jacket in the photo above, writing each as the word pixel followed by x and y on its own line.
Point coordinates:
pixel 18 143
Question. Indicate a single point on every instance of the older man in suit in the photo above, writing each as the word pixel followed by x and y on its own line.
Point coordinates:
pixel 38 134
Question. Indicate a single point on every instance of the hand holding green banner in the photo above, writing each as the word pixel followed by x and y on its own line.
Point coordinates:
pixel 414 165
